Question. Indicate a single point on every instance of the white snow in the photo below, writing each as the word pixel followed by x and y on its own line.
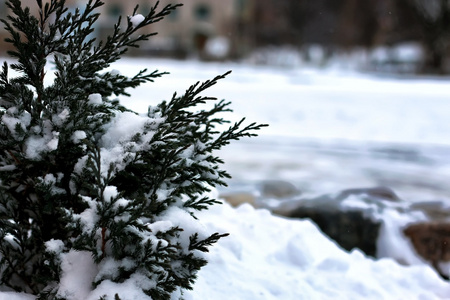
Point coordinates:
pixel 8 168
pixel 15 296
pixel 267 257
pixel 34 146
pixel 11 240
pixel 137 19
pixel 123 128
pixel 109 193
pixel 95 99
pixel 312 103
pixel 78 271
pixel 53 143
pixel 391 241
pixel 49 179
pixel 130 289
pixel 160 226
pixel 385 130
pixel 218 47
pixel 310 112
pixel 61 117
pixel 115 72
pixel 89 216
pixel 78 136
pixel 54 246
pixel 11 121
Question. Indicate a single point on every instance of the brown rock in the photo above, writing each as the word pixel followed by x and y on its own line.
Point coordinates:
pixel 236 199
pixel 432 242
pixel 435 210
pixel 278 189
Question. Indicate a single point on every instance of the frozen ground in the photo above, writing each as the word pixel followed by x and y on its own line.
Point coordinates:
pixel 329 129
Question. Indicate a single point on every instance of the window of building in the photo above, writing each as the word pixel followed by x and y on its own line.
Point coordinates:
pixel 146 7
pixel 115 10
pixel 202 12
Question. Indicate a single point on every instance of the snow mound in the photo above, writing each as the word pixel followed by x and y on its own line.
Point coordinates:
pixel 269 257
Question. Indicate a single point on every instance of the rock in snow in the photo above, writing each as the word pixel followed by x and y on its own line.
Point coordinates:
pixel 432 241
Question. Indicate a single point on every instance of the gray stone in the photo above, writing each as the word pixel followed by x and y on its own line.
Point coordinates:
pixel 435 210
pixel 278 189
pixel 379 192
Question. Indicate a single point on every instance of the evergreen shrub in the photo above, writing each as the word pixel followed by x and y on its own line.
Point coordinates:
pixel 90 186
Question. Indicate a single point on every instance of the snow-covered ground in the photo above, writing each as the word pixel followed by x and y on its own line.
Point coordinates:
pixel 329 130
pixel 271 258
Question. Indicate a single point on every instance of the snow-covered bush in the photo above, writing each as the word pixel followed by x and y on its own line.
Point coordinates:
pixel 84 180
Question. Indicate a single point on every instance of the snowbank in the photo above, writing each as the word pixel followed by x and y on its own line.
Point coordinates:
pixel 268 257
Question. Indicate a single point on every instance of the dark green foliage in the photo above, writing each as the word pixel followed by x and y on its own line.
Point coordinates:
pixel 130 205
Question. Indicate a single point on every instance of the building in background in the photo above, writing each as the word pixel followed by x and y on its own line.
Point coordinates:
pixel 208 29
pixel 34 9
pixel 3 13
pixel 204 28
pixel 224 29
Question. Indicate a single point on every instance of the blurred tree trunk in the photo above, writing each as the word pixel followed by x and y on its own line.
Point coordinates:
pixel 358 24
pixel 433 16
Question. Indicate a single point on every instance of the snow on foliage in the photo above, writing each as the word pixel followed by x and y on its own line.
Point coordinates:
pixel 136 20
pixel 95 98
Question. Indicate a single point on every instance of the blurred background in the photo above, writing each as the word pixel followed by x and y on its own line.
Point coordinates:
pixel 384 35
pixel 355 91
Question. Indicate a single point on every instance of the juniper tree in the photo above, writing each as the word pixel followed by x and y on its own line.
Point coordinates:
pixel 72 182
